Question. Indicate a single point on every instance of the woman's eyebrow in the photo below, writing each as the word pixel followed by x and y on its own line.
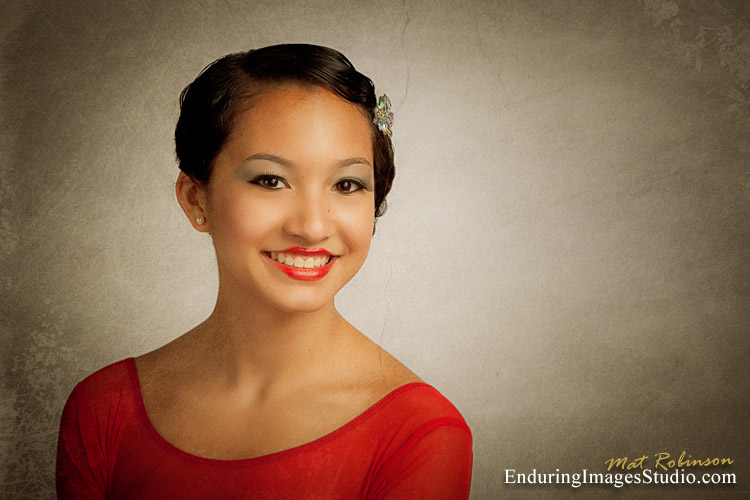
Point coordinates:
pixel 269 157
pixel 353 161
pixel 359 160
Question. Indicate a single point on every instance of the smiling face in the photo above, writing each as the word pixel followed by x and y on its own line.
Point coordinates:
pixel 290 203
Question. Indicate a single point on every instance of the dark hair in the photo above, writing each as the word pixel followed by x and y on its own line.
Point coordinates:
pixel 227 86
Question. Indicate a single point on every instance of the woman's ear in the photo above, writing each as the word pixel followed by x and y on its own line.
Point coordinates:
pixel 191 195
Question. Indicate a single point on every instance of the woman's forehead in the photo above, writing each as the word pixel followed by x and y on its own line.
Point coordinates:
pixel 293 121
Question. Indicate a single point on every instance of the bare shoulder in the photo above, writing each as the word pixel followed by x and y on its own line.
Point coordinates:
pixel 382 371
pixel 167 364
pixel 395 371
pixel 388 374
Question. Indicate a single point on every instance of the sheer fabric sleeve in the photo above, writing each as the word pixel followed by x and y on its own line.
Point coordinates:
pixel 81 458
pixel 433 464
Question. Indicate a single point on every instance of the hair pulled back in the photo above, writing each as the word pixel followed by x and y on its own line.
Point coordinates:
pixel 228 86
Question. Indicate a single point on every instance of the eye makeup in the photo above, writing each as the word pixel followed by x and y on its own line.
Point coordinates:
pixel 360 183
pixel 268 180
pixel 270 172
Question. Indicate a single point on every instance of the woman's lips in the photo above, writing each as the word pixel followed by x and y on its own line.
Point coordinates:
pixel 303 273
pixel 306 251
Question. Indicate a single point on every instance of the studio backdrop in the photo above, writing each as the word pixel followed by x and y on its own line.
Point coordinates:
pixel 564 256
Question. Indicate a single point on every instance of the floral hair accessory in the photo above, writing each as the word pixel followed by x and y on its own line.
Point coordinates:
pixel 383 116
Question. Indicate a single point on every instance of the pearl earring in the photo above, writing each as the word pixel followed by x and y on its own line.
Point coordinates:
pixel 199 220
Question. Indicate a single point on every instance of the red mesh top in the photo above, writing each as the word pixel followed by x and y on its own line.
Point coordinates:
pixel 412 444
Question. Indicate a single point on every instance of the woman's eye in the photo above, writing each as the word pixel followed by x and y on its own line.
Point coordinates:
pixel 269 181
pixel 348 186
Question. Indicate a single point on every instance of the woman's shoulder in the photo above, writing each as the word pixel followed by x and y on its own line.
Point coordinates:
pixel 419 403
pixel 427 445
pixel 97 405
pixel 108 383
pixel 402 392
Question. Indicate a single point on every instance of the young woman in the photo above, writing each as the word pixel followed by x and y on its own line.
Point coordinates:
pixel 285 159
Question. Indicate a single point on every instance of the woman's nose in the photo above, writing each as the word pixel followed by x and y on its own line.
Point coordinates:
pixel 309 218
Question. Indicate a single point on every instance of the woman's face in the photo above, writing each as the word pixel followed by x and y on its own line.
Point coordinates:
pixel 290 204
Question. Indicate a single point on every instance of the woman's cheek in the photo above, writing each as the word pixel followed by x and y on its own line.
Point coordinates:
pixel 357 225
pixel 255 219
pixel 241 219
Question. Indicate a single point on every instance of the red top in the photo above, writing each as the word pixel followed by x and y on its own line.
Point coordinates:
pixel 412 444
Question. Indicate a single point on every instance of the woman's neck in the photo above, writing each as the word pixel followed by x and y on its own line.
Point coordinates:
pixel 247 343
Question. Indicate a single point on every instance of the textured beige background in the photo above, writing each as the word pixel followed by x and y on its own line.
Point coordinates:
pixel 565 255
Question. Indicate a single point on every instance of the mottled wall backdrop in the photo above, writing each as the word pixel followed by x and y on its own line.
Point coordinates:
pixel 565 255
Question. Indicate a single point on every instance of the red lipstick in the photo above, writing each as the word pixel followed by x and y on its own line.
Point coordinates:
pixel 304 274
pixel 306 251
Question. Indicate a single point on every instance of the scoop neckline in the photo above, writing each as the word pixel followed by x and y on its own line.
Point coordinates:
pixel 277 455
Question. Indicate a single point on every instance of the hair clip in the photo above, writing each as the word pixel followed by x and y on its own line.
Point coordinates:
pixel 383 117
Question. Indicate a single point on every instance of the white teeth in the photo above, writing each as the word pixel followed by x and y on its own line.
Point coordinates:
pixel 300 261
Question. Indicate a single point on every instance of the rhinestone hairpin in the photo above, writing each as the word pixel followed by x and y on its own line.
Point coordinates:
pixel 383 117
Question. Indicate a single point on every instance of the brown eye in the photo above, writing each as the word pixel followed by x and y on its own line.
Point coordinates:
pixel 348 186
pixel 271 182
